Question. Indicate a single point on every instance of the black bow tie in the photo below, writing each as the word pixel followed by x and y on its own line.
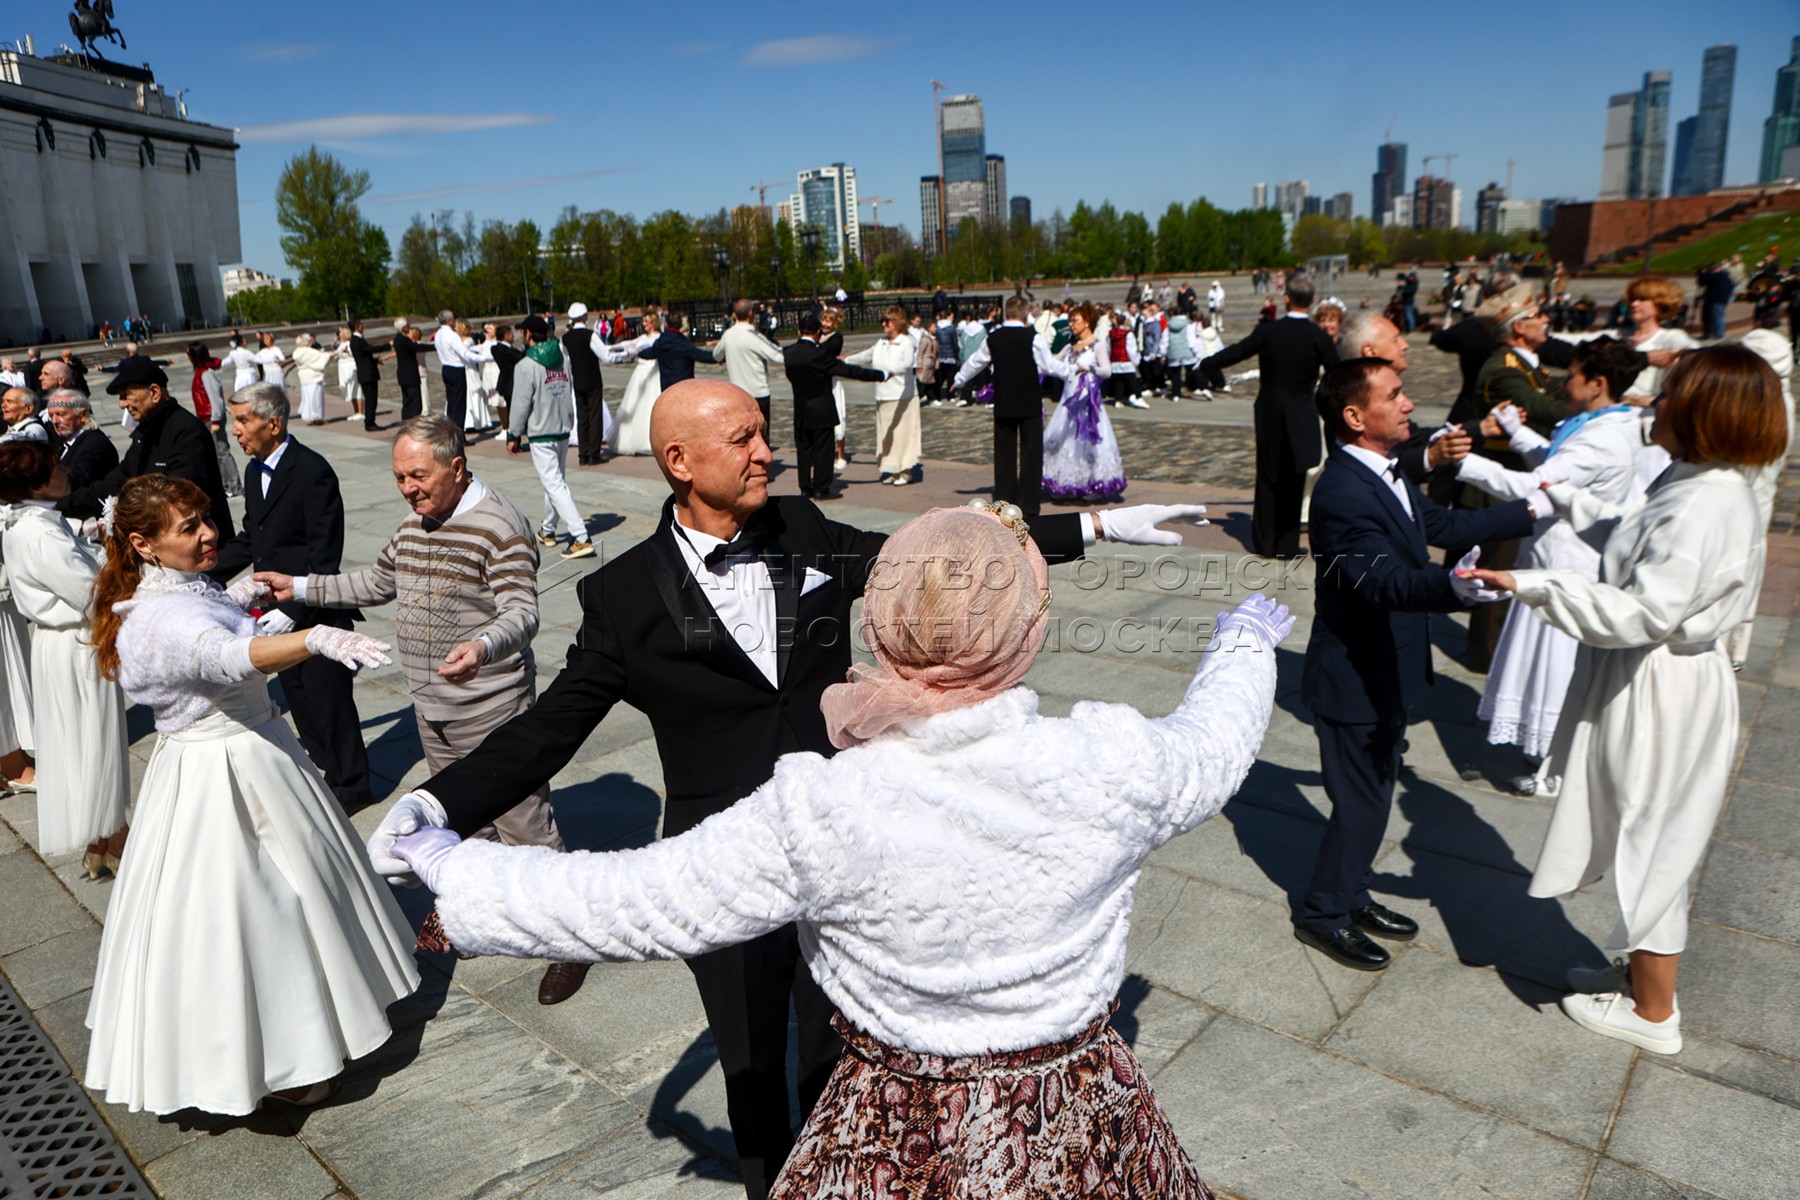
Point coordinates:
pixel 748 542
pixel 1393 470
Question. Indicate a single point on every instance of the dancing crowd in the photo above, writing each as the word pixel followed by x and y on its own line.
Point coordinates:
pixel 935 875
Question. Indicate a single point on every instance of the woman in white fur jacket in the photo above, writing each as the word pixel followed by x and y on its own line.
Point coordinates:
pixel 962 875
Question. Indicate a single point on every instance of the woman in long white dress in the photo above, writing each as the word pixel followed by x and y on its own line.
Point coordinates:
pixel 245 369
pixel 1081 455
pixel 17 739
pixel 897 450
pixel 273 362
pixel 83 785
pixel 349 387
pixel 248 948
pixel 477 418
pixel 641 390
pixel 1647 756
pixel 1596 449
pixel 310 365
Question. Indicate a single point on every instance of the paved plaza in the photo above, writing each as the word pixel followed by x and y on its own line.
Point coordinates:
pixel 1452 1074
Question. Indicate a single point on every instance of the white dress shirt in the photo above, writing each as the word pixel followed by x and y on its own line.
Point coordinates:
pixel 740 592
pixel 1387 468
pixel 1040 354
pixel 452 351
pixel 263 476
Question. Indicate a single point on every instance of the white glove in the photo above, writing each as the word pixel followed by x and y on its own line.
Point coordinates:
pixel 248 592
pixel 347 646
pixel 1261 618
pixel 274 622
pixel 1137 525
pixel 91 529
pixel 1541 505
pixel 1508 416
pixel 1470 591
pixel 425 852
pixel 411 812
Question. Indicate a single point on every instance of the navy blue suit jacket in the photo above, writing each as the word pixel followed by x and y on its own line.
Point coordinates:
pixel 1370 652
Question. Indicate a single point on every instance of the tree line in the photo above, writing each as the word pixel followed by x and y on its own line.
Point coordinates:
pixel 605 258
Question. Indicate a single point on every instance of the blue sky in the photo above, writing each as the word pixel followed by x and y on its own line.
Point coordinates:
pixel 486 108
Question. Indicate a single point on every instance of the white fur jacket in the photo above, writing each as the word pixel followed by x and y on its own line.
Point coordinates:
pixel 963 885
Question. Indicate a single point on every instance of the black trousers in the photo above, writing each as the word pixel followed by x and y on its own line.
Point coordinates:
pixel 1275 515
pixel 1019 461
pixel 592 424
pixel 456 395
pixel 745 990
pixel 369 388
pixel 411 403
pixel 815 450
pixel 762 402
pixel 1210 377
pixel 1360 763
pixel 324 710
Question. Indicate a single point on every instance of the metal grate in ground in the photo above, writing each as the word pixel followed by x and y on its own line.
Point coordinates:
pixel 52 1143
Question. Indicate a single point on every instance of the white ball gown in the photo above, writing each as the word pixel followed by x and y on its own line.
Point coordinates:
pixel 15 661
pixel 248 947
pixel 83 784
pixel 641 391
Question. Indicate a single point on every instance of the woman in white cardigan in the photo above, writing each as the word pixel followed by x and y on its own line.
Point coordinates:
pixel 962 875
pixel 1646 755
pixel 897 400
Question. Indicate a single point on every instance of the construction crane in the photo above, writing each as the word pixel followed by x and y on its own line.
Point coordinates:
pixel 874 203
pixel 1449 161
pixel 938 108
pixel 761 188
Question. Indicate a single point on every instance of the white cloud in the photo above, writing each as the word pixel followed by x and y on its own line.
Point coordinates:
pixel 822 48
pixel 352 126
pixel 283 52
pixel 511 185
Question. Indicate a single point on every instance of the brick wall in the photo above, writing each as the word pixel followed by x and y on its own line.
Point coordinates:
pixel 1585 232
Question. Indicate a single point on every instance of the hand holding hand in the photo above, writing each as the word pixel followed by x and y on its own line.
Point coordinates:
pixel 413 811
pixel 464 662
pixel 1467 581
pixel 1451 448
pixel 281 587
pixel 249 593
pixel 348 647
pixel 274 622
pixel 1261 618
pixel 425 851
pixel 1137 525
pixel 1509 417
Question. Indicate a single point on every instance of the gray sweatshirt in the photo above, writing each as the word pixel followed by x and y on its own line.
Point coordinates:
pixel 543 402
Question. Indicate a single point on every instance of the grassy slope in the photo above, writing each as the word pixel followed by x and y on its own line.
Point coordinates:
pixel 1751 241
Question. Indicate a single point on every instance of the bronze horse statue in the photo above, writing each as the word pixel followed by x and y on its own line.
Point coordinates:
pixel 92 23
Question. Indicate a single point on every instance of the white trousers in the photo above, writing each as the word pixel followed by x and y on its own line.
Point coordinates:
pixel 547 460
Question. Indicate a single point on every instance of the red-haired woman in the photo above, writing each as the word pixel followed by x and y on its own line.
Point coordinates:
pixel 248 947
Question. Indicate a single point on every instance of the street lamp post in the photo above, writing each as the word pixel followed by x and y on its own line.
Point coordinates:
pixel 809 242
pixel 775 267
pixel 722 265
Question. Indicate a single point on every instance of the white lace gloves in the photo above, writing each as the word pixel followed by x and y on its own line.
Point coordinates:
pixel 274 622
pixel 424 852
pixel 1261 619
pixel 1472 591
pixel 347 646
pixel 249 592
pixel 1510 418
pixel 1137 525
pixel 411 812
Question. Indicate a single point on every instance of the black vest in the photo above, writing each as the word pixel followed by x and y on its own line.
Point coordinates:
pixel 584 366
pixel 1017 392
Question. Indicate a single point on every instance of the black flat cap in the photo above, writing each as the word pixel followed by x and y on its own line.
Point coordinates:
pixel 136 371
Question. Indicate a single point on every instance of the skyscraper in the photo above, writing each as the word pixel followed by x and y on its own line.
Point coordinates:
pixel 1706 162
pixel 1433 203
pixel 931 215
pixel 828 201
pixel 1290 199
pixel 1650 137
pixel 1681 181
pixel 1018 209
pixel 965 161
pixel 1259 196
pixel 1389 182
pixel 1341 207
pixel 993 206
pixel 1615 158
pixel 1487 208
pixel 1782 128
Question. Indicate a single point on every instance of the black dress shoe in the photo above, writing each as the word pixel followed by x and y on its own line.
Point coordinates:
pixel 561 981
pixel 1380 922
pixel 1347 946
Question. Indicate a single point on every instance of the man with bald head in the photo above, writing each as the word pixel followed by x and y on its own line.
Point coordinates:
pixel 724 626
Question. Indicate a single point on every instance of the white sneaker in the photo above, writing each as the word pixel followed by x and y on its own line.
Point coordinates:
pixel 1595 980
pixel 839 465
pixel 1612 1015
pixel 1206 393
pixel 1136 402
pixel 901 480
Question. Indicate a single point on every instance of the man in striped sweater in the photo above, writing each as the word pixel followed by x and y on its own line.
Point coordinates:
pixel 463 568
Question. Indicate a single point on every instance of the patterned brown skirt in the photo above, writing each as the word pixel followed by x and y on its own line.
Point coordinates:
pixel 1076 1118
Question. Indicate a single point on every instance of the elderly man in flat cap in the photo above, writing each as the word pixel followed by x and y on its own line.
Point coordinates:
pixel 168 440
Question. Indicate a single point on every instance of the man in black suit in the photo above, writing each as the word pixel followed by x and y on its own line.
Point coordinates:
pixel 368 371
pixel 1020 358
pixel 87 454
pixel 294 523
pixel 168 440
pixel 674 353
pixel 810 368
pixel 1370 652
pixel 407 354
pixel 680 627
pixel 1290 354
pixel 584 377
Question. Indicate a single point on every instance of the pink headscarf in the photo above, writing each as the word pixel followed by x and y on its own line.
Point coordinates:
pixel 956 589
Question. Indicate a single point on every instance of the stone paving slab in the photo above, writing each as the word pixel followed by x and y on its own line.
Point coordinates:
pixel 1450 1075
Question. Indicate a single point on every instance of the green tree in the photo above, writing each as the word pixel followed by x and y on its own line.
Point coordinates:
pixel 325 239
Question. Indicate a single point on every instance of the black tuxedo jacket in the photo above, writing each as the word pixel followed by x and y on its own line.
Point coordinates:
pixel 368 368
pixel 650 638
pixel 89 457
pixel 1370 652
pixel 170 441
pixel 1291 351
pixel 675 356
pixel 810 369
pixel 407 355
pixel 297 529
